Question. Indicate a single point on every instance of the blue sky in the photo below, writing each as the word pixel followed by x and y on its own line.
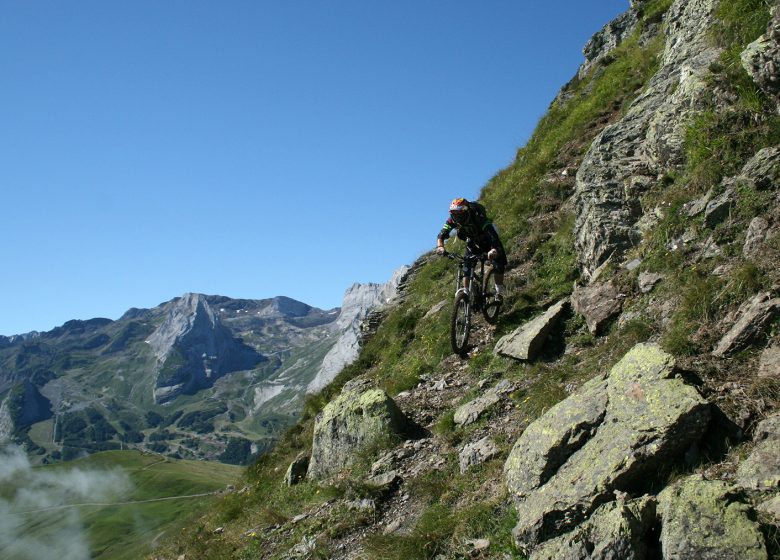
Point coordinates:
pixel 254 148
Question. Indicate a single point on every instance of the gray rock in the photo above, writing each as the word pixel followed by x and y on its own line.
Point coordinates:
pixel 598 48
pixel 769 363
pixel 365 504
pixel 384 481
pixel 353 422
pixel 763 169
pixel 477 452
pixel 754 239
pixel 435 309
pixel 754 315
pixel 633 265
pixel 296 472
pixel 761 470
pixel 647 140
pixel 696 207
pixel 648 280
pixel 525 342
pixel 597 303
pixel 761 59
pixel 718 208
pixel 771 508
pixel 468 413
pixel 710 249
pixel 706 519
pixel 616 531
pixel 615 434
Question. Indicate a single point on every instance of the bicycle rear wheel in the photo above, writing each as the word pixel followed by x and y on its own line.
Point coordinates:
pixel 491 307
pixel 460 325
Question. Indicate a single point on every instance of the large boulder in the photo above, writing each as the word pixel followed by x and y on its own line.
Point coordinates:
pixel 616 531
pixel 706 519
pixel 616 433
pixel 525 342
pixel 358 419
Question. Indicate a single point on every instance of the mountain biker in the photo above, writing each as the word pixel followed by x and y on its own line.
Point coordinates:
pixel 480 235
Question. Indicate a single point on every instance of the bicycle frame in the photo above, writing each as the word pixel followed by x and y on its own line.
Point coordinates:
pixel 476 278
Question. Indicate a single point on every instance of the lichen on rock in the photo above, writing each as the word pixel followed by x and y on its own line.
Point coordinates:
pixel 617 433
pixel 357 419
pixel 707 519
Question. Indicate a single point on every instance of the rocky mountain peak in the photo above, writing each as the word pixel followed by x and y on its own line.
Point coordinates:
pixel 182 315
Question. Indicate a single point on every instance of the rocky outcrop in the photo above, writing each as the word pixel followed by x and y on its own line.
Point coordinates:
pixel 527 341
pixel 616 531
pixel 601 45
pixel 753 316
pixel 707 519
pixel 615 434
pixel 357 419
pixel 598 304
pixel 193 349
pixel 625 158
pixel 761 470
pixel 358 302
pixel 761 59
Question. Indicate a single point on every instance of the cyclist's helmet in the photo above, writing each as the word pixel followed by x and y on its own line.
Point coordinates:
pixel 459 210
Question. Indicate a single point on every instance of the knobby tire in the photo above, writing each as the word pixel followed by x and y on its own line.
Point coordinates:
pixel 460 325
pixel 490 308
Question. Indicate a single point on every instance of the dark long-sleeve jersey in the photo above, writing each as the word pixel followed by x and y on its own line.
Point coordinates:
pixel 478 230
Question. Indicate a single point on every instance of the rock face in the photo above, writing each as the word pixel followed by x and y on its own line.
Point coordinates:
pixel 761 59
pixel 194 349
pixel 761 470
pixel 614 434
pixel 707 519
pixel 359 301
pixel 615 531
pixel 754 315
pixel 357 419
pixel 598 304
pixel 625 157
pixel 525 342
pixel 599 47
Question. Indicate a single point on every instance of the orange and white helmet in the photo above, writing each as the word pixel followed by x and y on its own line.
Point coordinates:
pixel 459 209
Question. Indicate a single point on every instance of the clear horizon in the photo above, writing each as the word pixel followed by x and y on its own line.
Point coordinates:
pixel 254 149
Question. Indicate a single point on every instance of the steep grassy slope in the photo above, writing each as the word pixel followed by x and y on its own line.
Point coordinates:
pixel 149 494
pixel 441 510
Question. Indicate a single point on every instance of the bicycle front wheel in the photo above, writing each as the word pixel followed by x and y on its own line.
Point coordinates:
pixel 491 306
pixel 459 328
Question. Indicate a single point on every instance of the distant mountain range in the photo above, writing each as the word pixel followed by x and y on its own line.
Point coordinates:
pixel 197 377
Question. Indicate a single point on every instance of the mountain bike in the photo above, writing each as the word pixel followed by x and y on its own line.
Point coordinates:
pixel 480 297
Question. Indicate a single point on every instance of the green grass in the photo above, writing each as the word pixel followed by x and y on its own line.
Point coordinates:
pixel 126 530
